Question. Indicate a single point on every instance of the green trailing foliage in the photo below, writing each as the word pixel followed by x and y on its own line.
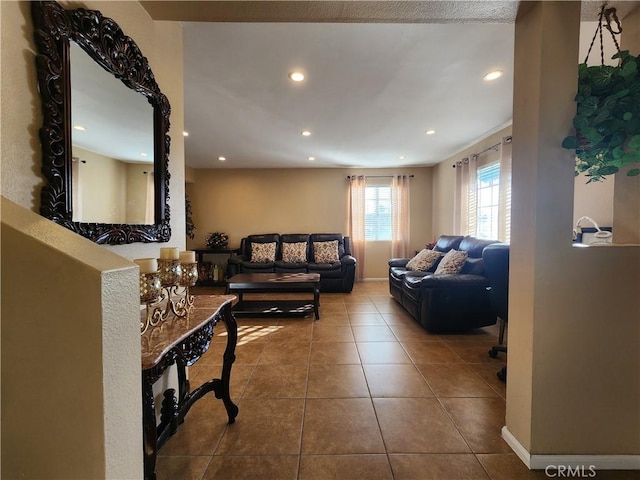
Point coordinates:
pixel 607 122
pixel 190 226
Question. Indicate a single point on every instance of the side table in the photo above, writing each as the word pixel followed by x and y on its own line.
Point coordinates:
pixel 201 252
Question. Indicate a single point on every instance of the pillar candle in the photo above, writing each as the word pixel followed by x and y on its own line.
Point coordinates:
pixel 147 265
pixel 170 253
pixel 188 257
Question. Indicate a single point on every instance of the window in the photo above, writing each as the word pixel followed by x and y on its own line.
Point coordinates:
pixel 483 194
pixel 488 200
pixel 377 219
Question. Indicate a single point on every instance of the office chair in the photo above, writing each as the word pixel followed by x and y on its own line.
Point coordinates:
pixel 496 265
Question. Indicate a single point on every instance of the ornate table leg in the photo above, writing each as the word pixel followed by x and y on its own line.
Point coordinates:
pixel 150 439
pixel 228 357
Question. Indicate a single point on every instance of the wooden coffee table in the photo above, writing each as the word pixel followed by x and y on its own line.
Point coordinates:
pixel 275 283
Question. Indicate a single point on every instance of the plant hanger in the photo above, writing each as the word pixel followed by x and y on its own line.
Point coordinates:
pixel 607 14
pixel 607 122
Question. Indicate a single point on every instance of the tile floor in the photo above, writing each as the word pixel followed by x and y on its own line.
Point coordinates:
pixel 364 393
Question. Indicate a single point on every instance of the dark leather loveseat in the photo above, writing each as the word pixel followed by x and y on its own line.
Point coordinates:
pixel 335 276
pixel 446 302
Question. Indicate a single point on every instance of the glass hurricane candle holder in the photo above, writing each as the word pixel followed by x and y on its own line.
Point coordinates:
pixel 150 295
pixel 150 287
pixel 170 272
pixel 189 274
pixel 189 279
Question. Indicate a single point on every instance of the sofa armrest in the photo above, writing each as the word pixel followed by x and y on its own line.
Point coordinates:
pixel 347 260
pixel 236 260
pixel 398 262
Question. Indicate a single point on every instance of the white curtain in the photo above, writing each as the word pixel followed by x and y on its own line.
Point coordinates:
pixel 149 211
pixel 504 206
pixel 466 197
pixel 356 221
pixel 400 227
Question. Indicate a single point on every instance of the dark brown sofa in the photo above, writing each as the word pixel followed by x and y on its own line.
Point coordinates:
pixel 334 277
pixel 447 302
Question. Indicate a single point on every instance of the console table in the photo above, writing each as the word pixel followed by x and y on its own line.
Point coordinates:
pixel 183 341
pixel 201 252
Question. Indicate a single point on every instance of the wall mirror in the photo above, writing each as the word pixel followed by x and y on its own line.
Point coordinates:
pixel 105 147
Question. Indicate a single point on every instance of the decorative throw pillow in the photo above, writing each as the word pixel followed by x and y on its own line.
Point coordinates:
pixel 294 252
pixel 424 260
pixel 263 252
pixel 326 252
pixel 452 262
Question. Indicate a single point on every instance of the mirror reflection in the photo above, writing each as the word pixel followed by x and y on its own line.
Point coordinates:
pixel 112 147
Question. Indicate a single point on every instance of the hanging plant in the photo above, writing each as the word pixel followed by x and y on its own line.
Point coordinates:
pixel 190 227
pixel 607 122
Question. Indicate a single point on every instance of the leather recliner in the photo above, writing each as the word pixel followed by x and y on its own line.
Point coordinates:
pixel 446 302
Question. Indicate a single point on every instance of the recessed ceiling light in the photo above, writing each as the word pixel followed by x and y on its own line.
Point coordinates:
pixel 79 127
pixel 401 157
pixel 185 134
pixel 142 154
pixel 305 133
pixel 493 75
pixel 296 76
pixel 222 159
pixel 430 132
pixel 311 159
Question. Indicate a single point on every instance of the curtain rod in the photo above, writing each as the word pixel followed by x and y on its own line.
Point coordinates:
pixel 492 147
pixel 379 176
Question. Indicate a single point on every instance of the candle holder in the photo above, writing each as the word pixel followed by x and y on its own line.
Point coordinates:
pixel 189 279
pixel 170 272
pixel 151 295
pixel 150 287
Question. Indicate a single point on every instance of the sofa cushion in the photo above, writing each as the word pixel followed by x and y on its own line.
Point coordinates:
pixel 326 237
pixel 452 262
pixel 474 246
pixel 327 270
pixel 326 252
pixel 473 266
pixel 294 252
pixel 448 242
pixel 424 260
pixel 283 267
pixel 263 252
pixel 245 243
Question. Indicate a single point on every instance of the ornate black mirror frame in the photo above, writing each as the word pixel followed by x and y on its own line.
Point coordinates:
pixel 103 40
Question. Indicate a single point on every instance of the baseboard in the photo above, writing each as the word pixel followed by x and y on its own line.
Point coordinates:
pixel 596 462
pixel 371 279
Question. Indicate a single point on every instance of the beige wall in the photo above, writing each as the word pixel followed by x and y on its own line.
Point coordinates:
pixel 138 174
pixel 102 181
pixel 70 355
pixel 118 356
pixel 574 366
pixel 241 202
pixel 626 216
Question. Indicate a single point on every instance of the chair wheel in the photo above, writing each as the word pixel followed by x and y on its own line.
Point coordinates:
pixel 493 353
pixel 502 374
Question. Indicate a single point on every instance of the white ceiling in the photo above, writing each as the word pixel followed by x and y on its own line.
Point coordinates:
pixel 371 92
pixel 374 84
